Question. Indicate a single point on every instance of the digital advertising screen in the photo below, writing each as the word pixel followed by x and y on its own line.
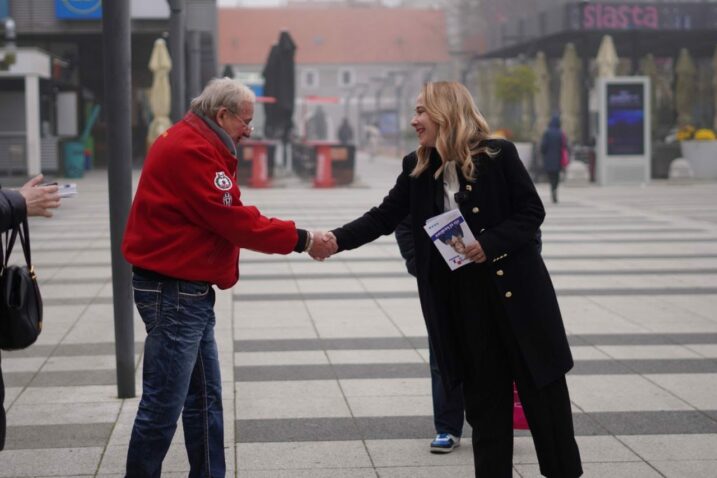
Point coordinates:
pixel 625 119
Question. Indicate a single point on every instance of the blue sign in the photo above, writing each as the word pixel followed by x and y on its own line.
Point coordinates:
pixel 625 119
pixel 4 9
pixel 78 9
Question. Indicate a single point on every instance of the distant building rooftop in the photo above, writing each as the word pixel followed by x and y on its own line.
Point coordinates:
pixel 335 35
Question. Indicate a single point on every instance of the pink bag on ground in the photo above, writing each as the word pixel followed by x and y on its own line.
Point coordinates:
pixel 519 420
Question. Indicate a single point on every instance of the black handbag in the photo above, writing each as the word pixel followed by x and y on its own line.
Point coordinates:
pixel 20 299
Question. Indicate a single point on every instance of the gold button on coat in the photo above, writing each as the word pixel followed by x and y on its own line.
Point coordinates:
pixel 469 187
pixel 499 272
pixel 508 295
pixel 476 210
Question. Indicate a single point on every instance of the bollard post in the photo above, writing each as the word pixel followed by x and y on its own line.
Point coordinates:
pixel 324 174
pixel 259 166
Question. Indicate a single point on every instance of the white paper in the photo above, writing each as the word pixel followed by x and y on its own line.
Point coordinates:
pixel 67 190
pixel 450 233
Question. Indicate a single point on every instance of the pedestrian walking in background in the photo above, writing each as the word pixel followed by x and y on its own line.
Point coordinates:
pixel 448 411
pixel 32 199
pixel 496 320
pixel 554 149
pixel 185 229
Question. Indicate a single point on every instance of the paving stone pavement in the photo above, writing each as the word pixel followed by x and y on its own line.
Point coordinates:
pixel 325 364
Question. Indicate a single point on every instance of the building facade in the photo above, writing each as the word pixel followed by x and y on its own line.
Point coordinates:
pixel 70 31
pixel 364 64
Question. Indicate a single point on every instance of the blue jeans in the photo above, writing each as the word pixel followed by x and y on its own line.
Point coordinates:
pixel 447 406
pixel 180 376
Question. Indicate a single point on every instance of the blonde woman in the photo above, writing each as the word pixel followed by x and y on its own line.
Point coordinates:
pixel 496 320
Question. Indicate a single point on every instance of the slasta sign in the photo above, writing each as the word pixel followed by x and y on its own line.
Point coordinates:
pixel 598 16
pixel 645 16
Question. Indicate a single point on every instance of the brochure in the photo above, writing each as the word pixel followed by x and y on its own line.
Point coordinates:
pixel 450 233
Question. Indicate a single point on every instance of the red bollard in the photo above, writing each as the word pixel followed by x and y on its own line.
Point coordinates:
pixel 259 166
pixel 324 175
pixel 519 420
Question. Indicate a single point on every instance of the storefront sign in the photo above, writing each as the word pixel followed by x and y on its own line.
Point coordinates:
pixel 647 16
pixel 78 9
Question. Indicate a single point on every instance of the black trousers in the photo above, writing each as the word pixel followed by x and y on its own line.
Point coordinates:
pixel 490 369
pixel 2 409
pixel 554 177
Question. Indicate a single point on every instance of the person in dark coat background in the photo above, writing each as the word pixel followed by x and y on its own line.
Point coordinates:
pixel 551 147
pixel 15 206
pixel 497 320
pixel 448 411
pixel 345 132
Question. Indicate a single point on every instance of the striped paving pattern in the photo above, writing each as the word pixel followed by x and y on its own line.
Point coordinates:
pixel 325 364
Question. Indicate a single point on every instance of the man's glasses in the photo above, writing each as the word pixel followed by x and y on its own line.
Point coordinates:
pixel 246 125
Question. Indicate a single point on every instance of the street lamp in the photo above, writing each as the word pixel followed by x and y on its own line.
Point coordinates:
pixel 8 55
pixel 359 90
pixel 177 26
pixel 398 77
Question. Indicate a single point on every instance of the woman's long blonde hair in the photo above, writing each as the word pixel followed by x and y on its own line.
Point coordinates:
pixel 461 127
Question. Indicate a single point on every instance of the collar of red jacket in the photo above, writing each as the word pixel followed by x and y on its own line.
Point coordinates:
pixel 196 122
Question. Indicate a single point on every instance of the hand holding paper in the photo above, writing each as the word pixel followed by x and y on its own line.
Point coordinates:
pixel 475 253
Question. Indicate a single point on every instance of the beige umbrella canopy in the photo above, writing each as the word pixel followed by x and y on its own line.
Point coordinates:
pixel 648 68
pixel 495 104
pixel 541 97
pixel 685 88
pixel 160 95
pixel 607 59
pixel 714 86
pixel 570 93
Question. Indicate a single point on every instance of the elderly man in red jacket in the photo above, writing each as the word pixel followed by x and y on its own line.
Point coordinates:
pixel 184 233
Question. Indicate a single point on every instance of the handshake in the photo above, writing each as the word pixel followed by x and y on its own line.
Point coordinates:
pixel 322 245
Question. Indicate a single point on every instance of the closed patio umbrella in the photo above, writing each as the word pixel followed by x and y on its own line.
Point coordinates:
pixel 495 104
pixel 685 86
pixel 279 83
pixel 714 87
pixel 160 95
pixel 607 58
pixel 570 93
pixel 648 67
pixel 541 97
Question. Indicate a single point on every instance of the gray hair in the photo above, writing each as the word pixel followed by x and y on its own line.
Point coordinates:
pixel 221 92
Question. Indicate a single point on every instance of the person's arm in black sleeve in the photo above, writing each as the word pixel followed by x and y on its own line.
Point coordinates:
pixel 303 240
pixel 12 209
pixel 404 238
pixel 380 220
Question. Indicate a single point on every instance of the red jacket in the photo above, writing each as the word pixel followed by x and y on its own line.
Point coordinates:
pixel 187 220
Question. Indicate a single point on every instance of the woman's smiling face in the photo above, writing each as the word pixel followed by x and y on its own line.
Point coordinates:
pixel 426 128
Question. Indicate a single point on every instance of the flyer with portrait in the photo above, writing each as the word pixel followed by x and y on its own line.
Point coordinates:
pixel 450 233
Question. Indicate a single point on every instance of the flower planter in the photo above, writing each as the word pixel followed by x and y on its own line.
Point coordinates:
pixel 702 156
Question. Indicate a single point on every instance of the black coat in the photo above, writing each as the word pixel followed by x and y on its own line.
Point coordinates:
pixel 504 212
pixel 12 209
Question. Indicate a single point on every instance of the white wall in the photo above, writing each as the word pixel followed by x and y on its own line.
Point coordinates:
pixel 149 9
